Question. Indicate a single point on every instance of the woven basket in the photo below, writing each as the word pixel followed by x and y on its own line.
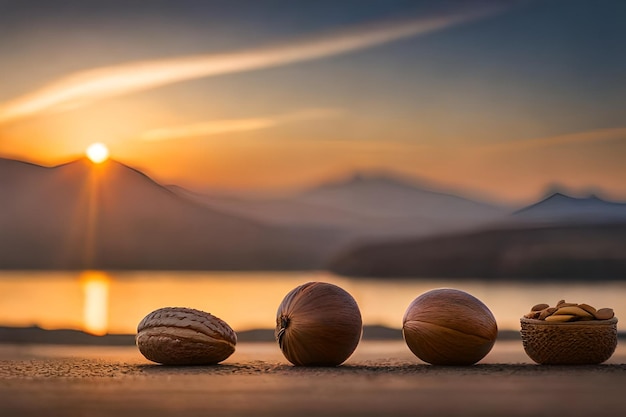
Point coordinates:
pixel 569 343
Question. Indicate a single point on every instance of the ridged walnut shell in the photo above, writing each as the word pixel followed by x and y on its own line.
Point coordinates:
pixel 184 336
pixel 449 327
pixel 318 324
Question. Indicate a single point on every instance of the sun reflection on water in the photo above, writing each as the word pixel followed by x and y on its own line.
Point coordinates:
pixel 114 302
pixel 95 285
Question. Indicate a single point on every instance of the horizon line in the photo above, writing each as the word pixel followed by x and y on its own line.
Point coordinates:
pixel 387 173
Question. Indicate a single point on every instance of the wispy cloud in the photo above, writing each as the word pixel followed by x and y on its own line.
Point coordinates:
pixel 86 87
pixel 216 127
pixel 591 136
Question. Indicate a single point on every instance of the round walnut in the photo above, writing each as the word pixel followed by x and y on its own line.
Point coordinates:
pixel 449 327
pixel 184 336
pixel 318 324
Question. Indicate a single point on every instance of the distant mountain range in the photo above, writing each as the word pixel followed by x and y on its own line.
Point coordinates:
pixel 363 206
pixel 559 207
pixel 560 237
pixel 575 251
pixel 110 216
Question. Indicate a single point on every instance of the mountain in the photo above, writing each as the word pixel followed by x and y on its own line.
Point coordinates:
pixel 363 206
pixel 110 216
pixel 278 211
pixel 560 207
pixel 380 195
pixel 588 251
pixel 559 237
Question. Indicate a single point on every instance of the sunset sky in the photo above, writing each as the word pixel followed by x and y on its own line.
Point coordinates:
pixel 497 98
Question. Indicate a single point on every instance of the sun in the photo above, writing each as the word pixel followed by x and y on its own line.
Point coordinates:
pixel 97 153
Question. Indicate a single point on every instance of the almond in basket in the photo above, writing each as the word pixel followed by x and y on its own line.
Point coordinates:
pixel 569 334
pixel 566 312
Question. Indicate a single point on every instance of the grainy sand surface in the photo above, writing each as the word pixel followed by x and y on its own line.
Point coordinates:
pixel 380 379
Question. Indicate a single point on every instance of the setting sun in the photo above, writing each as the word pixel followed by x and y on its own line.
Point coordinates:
pixel 97 153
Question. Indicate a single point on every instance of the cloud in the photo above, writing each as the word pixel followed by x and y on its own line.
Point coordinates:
pixel 206 129
pixel 216 127
pixel 591 136
pixel 86 87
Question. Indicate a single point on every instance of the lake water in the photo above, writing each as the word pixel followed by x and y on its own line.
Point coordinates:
pixel 115 302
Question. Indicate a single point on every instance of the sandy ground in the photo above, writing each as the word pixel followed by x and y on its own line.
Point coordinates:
pixel 380 379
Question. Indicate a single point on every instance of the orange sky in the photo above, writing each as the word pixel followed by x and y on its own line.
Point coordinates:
pixel 429 93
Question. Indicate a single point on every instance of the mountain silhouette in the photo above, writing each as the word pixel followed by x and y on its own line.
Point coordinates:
pixel 559 237
pixel 81 215
pixel 110 216
pixel 362 206
pixel 387 195
pixel 559 207
pixel 530 252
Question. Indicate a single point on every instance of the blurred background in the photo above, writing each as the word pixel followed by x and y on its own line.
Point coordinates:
pixel 216 154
